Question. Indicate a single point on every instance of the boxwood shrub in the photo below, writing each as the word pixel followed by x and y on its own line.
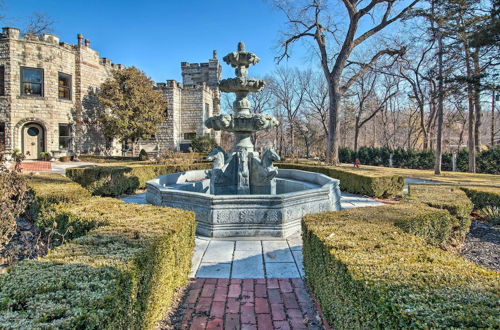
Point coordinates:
pixel 49 192
pixel 369 272
pixel 450 198
pixel 375 185
pixel 483 196
pixel 121 275
pixel 120 180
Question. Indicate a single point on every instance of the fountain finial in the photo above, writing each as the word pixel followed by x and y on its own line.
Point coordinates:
pixel 241 46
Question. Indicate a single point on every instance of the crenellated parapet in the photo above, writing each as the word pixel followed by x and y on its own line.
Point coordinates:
pixel 51 40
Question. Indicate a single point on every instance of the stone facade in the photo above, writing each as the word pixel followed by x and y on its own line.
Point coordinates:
pixel 190 103
pixel 47 101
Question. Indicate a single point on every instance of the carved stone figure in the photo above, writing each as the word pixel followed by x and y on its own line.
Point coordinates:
pixel 218 156
pixel 262 172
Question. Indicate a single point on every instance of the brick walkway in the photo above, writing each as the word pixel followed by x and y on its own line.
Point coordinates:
pixel 243 283
pixel 283 303
pixel 36 166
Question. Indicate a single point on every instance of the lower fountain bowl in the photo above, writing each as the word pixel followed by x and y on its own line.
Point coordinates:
pixel 297 193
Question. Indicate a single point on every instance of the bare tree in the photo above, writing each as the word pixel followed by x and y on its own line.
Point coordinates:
pixel 38 24
pixel 316 101
pixel 261 102
pixel 312 19
pixel 369 102
pixel 288 89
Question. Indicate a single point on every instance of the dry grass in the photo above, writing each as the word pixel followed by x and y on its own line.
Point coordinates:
pixel 461 178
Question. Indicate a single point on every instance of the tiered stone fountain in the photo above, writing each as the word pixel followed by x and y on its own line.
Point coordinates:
pixel 242 172
pixel 244 194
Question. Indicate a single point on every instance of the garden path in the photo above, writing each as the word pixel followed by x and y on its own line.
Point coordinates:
pixel 248 283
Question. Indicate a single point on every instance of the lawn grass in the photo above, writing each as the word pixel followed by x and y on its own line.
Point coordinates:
pixel 461 178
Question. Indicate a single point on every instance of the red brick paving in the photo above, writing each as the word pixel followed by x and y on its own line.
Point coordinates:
pixel 249 304
pixel 36 166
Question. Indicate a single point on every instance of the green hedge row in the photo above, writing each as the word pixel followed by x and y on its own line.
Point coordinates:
pixel 487 161
pixel 50 193
pixel 121 180
pixel 356 183
pixel 106 159
pixel 450 198
pixel 121 274
pixel 483 196
pixel 371 268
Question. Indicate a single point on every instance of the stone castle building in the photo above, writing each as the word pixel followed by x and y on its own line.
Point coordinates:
pixel 47 102
pixel 190 103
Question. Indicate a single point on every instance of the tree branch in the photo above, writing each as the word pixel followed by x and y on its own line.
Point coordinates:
pixel 384 22
pixel 366 66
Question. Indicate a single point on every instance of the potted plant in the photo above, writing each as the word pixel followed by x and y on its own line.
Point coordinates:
pixel 45 156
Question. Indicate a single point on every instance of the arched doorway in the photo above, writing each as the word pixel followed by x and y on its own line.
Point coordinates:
pixel 33 140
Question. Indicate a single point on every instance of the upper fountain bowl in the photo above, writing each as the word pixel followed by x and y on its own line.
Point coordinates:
pixel 242 122
pixel 241 57
pixel 241 84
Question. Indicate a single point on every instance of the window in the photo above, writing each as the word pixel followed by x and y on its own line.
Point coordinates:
pixel 2 136
pixel 189 136
pixel 31 82
pixel 2 80
pixel 64 136
pixel 64 86
pixel 33 131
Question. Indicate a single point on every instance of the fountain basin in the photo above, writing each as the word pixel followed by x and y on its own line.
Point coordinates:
pixel 297 193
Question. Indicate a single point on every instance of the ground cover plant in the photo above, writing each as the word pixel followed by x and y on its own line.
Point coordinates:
pixel 13 201
pixel 119 270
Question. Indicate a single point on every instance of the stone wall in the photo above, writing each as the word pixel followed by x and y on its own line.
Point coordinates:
pixel 189 103
pixel 87 72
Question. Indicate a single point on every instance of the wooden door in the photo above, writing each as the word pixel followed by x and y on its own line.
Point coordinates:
pixel 32 141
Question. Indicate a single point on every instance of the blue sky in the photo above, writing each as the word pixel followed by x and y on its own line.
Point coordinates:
pixel 156 35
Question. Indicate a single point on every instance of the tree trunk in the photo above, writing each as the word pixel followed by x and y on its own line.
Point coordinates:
pixel 493 119
pixel 477 99
pixel 356 134
pixel 439 135
pixel 333 123
pixel 422 128
pixel 470 95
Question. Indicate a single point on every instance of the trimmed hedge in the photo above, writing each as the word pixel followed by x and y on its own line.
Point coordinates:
pixel 483 196
pixel 368 273
pixel 357 183
pixel 121 180
pixel 107 159
pixel 122 274
pixel 450 198
pixel 49 192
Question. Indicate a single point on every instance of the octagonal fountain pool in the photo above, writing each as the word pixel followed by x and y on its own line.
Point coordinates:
pixel 297 193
